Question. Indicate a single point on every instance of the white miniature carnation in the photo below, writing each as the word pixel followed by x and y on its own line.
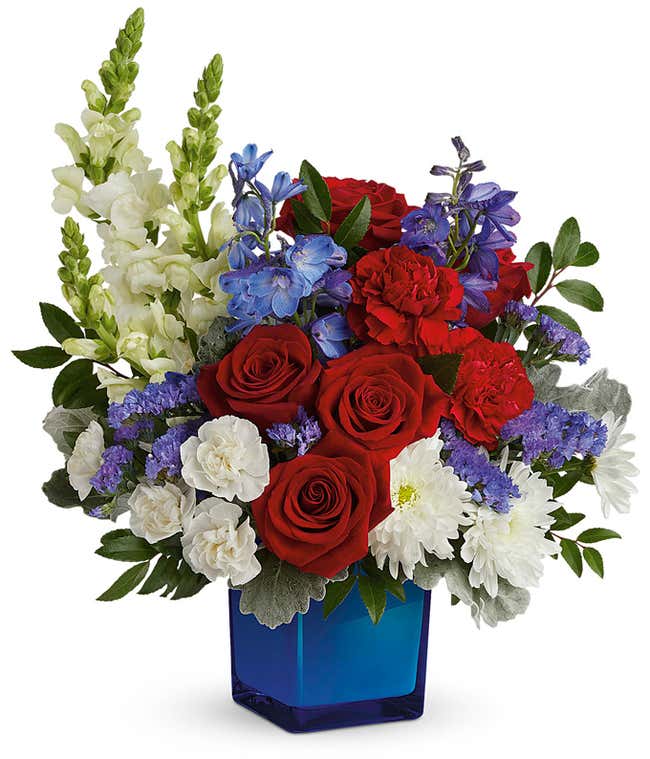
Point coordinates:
pixel 428 501
pixel 613 469
pixel 511 545
pixel 214 545
pixel 86 458
pixel 160 511
pixel 227 459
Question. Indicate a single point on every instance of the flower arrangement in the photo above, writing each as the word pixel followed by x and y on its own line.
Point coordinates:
pixel 329 388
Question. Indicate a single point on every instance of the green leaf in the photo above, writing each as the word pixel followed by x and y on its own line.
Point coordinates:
pixel 109 537
pixel 125 547
pixel 596 534
pixel 393 586
pixel 587 255
pixel 566 245
pixel 43 357
pixel 76 386
pixel 594 561
pixel 59 324
pixel 306 223
pixel 317 196
pixel 563 485
pixel 373 596
pixel 565 520
pixel 560 316
pixel 60 492
pixel 126 582
pixel 581 293
pixel 355 225
pixel 163 573
pixel 189 582
pixel 540 256
pixel 571 554
pixel 443 368
pixel 336 593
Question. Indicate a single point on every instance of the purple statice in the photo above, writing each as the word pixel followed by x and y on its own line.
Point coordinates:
pixel 549 430
pixel 177 390
pixel 562 340
pixel 133 430
pixel 110 474
pixel 302 434
pixel 488 483
pixel 165 456
pixel 518 314
pixel 97 512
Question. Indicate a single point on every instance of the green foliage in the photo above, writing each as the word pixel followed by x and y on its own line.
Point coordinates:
pixel 305 222
pixel 594 561
pixel 119 72
pixel 571 554
pixel 443 368
pixel 561 316
pixel 373 595
pixel 336 593
pixel 316 197
pixel 216 342
pixel 540 256
pixel 43 357
pixel 123 545
pixel 565 249
pixel 587 255
pixel 77 387
pixel 126 582
pixel 596 534
pixel 565 520
pixel 581 293
pixel 355 225
pixel 60 492
pixel 59 324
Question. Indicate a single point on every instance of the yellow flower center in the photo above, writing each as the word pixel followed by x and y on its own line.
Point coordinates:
pixel 406 496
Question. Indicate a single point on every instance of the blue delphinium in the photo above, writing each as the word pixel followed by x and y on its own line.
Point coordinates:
pixel 175 391
pixel 248 164
pixel 334 288
pixel 301 434
pixel 165 456
pixel 331 333
pixel 278 290
pixel 549 430
pixel 425 228
pixel 282 189
pixel 488 483
pixel 314 255
pixel 109 476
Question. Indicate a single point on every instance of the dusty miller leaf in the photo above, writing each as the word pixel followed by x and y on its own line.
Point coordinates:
pixel 427 576
pixel 279 592
pixel 60 421
pixel 509 603
pixel 216 342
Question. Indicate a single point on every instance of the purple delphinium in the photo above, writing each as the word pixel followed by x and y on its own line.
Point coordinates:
pixel 488 483
pixel 177 390
pixel 165 456
pixel 110 474
pixel 564 341
pixel 425 228
pixel 547 429
pixel 334 289
pixel 331 333
pixel 301 434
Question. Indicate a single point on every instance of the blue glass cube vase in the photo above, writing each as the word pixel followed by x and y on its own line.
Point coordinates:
pixel 317 674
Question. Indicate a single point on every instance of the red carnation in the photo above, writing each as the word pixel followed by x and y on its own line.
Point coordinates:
pixel 318 508
pixel 388 208
pixel 491 386
pixel 513 285
pixel 266 377
pixel 402 298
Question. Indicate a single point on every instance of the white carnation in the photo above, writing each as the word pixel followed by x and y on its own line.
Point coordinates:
pixel 214 545
pixel 227 458
pixel 428 503
pixel 86 458
pixel 160 511
pixel 511 545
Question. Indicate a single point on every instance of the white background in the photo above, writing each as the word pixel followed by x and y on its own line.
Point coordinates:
pixel 553 97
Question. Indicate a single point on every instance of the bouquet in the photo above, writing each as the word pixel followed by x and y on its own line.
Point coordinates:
pixel 317 389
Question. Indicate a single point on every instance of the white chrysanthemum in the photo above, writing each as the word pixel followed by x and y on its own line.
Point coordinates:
pixel 227 458
pixel 160 511
pixel 86 458
pixel 511 545
pixel 428 504
pixel 214 545
pixel 613 468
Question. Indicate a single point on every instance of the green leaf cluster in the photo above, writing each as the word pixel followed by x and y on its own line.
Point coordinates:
pixel 580 551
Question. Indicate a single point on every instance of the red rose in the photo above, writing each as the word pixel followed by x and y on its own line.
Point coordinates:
pixel 380 399
pixel 402 298
pixel 388 208
pixel 318 508
pixel 491 386
pixel 513 285
pixel 265 378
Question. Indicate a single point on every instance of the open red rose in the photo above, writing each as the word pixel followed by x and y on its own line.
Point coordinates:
pixel 380 399
pixel 318 508
pixel 513 285
pixel 402 298
pixel 491 386
pixel 265 378
pixel 388 208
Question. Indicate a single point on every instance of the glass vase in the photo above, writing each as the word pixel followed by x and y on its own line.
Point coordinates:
pixel 316 674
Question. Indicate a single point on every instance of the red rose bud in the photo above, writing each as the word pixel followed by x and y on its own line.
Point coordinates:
pixel 318 508
pixel 388 208
pixel 379 399
pixel 402 298
pixel 266 377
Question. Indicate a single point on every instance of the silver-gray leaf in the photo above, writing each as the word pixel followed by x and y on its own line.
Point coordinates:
pixel 279 592
pixel 427 576
pixel 509 603
pixel 61 420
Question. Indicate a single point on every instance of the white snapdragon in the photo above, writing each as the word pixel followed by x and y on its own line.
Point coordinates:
pixel 117 387
pixel 114 134
pixel 227 458
pixel 86 458
pixel 222 228
pixel 160 511
pixel 209 272
pixel 215 546
pixel 67 193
